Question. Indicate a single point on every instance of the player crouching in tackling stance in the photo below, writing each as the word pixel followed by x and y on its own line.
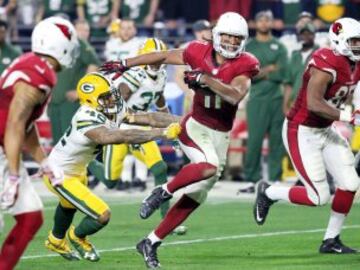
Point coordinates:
pixel 95 124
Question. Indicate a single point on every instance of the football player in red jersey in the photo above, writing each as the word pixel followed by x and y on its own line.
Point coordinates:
pixel 313 144
pixel 220 76
pixel 25 87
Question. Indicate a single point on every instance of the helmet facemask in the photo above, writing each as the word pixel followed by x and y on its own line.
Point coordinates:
pixel 353 46
pixel 227 49
pixel 110 102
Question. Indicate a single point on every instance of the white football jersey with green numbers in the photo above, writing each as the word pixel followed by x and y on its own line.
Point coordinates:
pixel 145 90
pixel 75 150
pixel 116 50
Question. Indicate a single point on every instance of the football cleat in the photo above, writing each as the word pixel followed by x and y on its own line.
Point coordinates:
pixel 180 230
pixel 139 184
pixel 123 185
pixel 83 246
pixel 262 203
pixel 335 246
pixel 61 247
pixel 151 203
pixel 149 253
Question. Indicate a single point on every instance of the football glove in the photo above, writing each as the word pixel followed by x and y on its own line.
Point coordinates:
pixel 192 79
pixel 116 67
pixel 55 176
pixel 10 192
pixel 172 131
pixel 355 118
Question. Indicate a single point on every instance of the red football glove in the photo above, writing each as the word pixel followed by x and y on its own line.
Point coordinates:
pixel 117 67
pixel 192 79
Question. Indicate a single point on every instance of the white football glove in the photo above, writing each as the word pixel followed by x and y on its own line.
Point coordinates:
pixel 10 192
pixel 56 176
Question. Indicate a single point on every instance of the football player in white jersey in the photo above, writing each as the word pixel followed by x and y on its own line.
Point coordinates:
pixel 96 123
pixel 141 88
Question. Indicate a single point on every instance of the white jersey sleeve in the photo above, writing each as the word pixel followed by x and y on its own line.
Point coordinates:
pixel 133 78
pixel 87 118
pixel 75 150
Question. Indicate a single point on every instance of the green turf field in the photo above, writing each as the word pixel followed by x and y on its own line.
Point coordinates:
pixel 221 236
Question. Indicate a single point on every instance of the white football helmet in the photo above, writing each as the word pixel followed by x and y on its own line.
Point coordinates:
pixel 56 37
pixel 340 34
pixel 230 23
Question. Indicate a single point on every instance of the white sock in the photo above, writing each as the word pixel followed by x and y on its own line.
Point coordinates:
pixel 278 192
pixel 141 170
pixel 164 186
pixel 126 175
pixel 153 238
pixel 335 225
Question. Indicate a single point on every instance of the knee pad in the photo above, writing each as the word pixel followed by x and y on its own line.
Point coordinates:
pixel 352 184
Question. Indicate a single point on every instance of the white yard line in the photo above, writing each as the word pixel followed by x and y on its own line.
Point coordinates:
pixel 204 240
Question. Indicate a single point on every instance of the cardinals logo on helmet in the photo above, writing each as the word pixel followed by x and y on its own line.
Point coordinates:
pixel 65 30
pixel 337 28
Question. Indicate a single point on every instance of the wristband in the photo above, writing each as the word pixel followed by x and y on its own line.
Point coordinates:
pixel 345 116
pixel 13 177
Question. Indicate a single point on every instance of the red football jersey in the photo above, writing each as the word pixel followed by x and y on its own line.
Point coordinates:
pixel 209 108
pixel 345 78
pixel 31 69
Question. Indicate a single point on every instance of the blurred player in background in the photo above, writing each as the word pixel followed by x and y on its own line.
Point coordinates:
pixel 126 44
pixel 26 87
pixel 221 76
pixel 313 145
pixel 96 123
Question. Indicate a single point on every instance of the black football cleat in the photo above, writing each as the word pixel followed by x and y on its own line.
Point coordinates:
pixel 262 203
pixel 335 246
pixel 138 184
pixel 149 253
pixel 151 203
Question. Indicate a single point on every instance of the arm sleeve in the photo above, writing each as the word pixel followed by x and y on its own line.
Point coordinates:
pixel 188 54
pixel 38 80
pixel 251 69
pixel 323 62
